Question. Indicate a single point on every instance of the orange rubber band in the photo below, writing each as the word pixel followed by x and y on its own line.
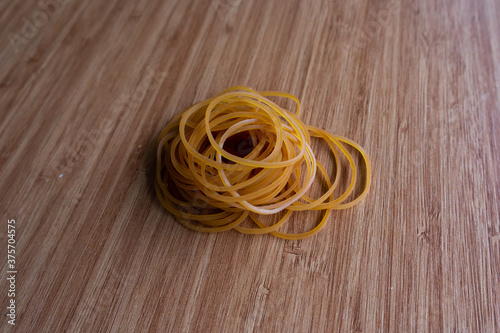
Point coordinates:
pixel 210 185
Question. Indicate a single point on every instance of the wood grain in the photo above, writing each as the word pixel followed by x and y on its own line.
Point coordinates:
pixel 86 87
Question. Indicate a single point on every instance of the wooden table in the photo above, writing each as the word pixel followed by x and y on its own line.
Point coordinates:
pixel 86 87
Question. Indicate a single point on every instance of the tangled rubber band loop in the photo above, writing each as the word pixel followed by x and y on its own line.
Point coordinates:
pixel 239 155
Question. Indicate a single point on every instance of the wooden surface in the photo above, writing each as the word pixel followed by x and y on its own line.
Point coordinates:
pixel 85 92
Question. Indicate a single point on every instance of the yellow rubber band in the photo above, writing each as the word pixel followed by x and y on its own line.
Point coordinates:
pixel 238 155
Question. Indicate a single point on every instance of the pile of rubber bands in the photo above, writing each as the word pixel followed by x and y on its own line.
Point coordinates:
pixel 239 155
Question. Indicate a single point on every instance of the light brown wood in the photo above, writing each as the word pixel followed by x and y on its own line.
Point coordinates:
pixel 85 92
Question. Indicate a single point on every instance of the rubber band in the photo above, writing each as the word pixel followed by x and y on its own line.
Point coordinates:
pixel 235 156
